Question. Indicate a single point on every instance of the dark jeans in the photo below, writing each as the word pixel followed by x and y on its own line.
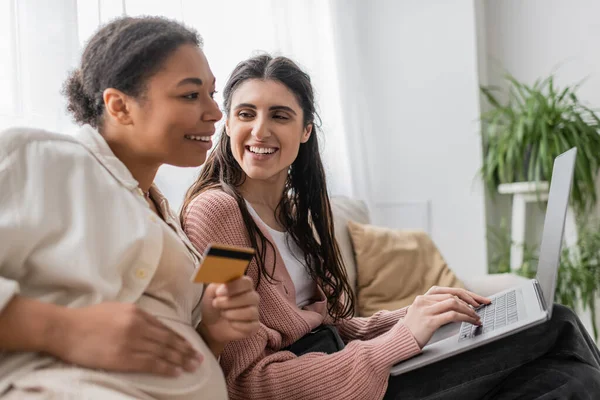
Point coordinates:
pixel 554 360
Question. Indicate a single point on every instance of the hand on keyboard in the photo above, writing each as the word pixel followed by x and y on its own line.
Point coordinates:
pixel 502 312
pixel 468 297
pixel 440 306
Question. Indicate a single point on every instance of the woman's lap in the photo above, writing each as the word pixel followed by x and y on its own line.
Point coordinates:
pixel 69 382
pixel 555 378
pixel 474 374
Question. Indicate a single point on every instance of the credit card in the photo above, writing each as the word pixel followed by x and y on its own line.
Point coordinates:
pixel 223 263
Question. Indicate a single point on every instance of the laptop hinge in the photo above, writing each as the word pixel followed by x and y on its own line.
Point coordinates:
pixel 540 294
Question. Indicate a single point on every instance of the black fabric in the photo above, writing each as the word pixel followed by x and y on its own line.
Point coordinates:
pixel 323 339
pixel 554 360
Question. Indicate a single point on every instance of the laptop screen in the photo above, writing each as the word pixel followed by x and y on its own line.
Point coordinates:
pixel 554 224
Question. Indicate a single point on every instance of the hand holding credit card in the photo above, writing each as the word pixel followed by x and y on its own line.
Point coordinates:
pixel 222 263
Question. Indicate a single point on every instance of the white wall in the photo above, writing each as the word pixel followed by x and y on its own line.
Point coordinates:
pixel 535 37
pixel 415 159
pixel 532 39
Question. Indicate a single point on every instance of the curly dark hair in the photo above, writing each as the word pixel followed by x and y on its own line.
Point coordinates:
pixel 122 55
pixel 304 203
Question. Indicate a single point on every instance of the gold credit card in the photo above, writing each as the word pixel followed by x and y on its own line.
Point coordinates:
pixel 222 263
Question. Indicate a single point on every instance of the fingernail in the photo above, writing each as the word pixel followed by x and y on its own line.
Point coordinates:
pixel 199 357
pixel 178 371
pixel 192 364
pixel 221 290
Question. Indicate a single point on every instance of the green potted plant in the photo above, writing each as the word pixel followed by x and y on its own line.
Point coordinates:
pixel 525 128
pixel 579 273
pixel 578 284
pixel 535 123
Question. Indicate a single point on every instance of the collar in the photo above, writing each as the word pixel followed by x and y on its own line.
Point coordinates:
pixel 170 218
pixel 95 143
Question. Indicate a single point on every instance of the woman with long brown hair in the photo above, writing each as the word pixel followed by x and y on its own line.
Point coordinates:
pixel 264 186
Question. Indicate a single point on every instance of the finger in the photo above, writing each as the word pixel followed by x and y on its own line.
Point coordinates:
pixel 455 316
pixel 465 295
pixel 210 291
pixel 468 299
pixel 161 328
pixel 442 290
pixel 245 314
pixel 245 299
pixel 435 290
pixel 164 336
pixel 428 300
pixel 446 297
pixel 245 328
pixel 150 363
pixel 170 355
pixel 454 304
pixel 161 351
pixel 236 286
pixel 438 297
pixel 152 320
pixel 478 298
pixel 462 293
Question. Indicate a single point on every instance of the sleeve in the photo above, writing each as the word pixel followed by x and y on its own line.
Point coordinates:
pixel 252 366
pixel 359 328
pixel 214 217
pixel 11 237
pixel 51 231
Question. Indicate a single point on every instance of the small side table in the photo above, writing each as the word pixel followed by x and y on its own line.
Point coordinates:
pixel 522 194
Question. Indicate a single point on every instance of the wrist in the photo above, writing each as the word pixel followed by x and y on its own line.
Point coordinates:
pixel 31 325
pixel 58 329
pixel 215 346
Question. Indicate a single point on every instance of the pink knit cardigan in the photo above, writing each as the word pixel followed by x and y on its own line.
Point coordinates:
pixel 256 367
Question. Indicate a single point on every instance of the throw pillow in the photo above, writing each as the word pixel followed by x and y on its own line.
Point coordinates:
pixel 395 266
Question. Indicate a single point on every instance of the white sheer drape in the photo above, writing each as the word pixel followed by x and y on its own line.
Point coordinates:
pixel 38 43
pixel 43 40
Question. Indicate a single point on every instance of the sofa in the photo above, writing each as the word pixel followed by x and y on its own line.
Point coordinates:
pixel 347 209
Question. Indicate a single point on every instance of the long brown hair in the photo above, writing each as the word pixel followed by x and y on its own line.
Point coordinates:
pixel 304 209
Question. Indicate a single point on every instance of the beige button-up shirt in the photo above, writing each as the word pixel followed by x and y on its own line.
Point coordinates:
pixel 75 229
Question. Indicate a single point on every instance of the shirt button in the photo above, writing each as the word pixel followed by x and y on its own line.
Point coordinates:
pixel 153 218
pixel 141 273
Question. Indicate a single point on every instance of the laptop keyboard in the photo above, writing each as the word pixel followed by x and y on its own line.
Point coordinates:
pixel 500 313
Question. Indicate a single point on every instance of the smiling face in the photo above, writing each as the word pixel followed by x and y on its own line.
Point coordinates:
pixel 266 127
pixel 175 119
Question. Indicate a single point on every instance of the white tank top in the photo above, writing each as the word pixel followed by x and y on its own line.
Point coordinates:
pixel 293 258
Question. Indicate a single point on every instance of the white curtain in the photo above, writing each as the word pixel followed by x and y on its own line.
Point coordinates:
pixel 43 41
pixel 38 43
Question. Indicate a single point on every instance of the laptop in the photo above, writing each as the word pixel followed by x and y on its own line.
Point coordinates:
pixel 518 308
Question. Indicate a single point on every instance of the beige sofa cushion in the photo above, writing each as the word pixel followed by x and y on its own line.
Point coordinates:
pixel 347 209
pixel 395 266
